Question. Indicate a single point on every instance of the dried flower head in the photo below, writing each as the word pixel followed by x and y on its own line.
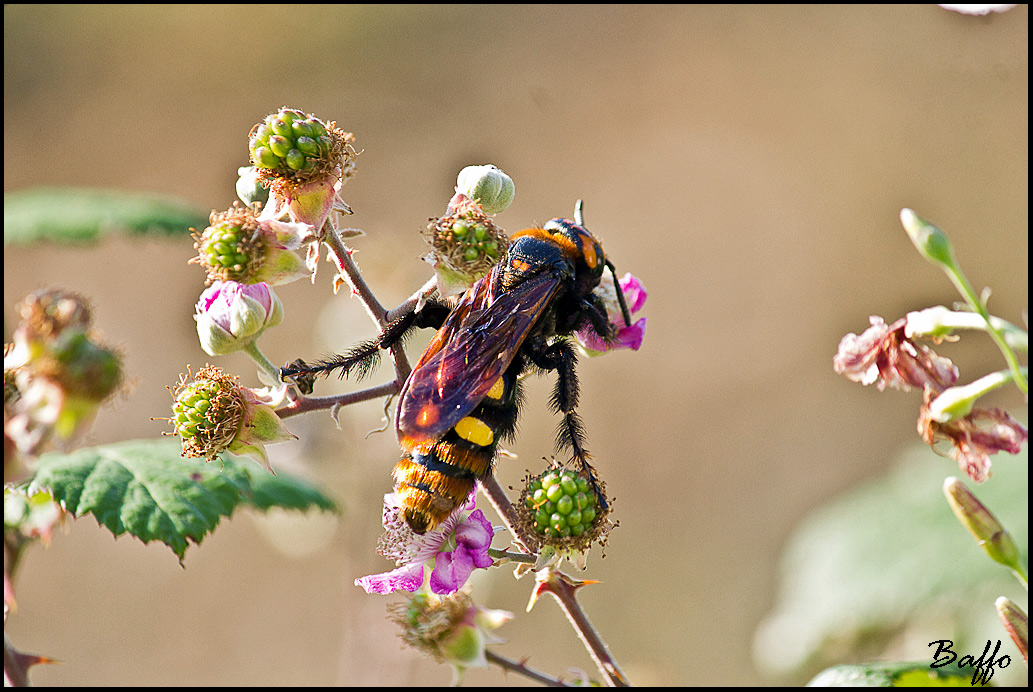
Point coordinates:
pixel 450 629
pixel 974 437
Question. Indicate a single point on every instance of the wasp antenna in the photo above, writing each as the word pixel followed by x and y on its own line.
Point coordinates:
pixel 579 214
pixel 620 294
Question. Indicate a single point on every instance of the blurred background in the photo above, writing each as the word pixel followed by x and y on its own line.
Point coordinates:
pixel 748 164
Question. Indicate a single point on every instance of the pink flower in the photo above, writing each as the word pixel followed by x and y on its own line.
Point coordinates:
pixel 628 336
pixel 231 316
pixel 451 551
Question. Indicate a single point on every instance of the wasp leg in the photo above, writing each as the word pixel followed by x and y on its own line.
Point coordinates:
pixel 363 358
pixel 592 313
pixel 599 319
pixel 561 357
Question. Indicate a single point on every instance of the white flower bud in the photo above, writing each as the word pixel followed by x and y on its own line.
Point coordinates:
pixel 493 188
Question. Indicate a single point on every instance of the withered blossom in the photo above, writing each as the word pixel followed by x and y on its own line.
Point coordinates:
pixel 973 438
pixel 883 355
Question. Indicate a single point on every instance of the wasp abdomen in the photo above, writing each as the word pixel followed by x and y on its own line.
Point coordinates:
pixel 434 478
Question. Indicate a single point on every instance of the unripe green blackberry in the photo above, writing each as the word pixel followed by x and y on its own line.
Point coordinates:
pixel 466 245
pixel 560 506
pixel 294 140
pixel 232 246
pixel 240 246
pixel 299 148
pixel 208 412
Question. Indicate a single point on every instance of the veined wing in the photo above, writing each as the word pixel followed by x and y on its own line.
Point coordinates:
pixel 470 352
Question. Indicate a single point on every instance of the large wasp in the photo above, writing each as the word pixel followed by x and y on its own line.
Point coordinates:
pixel 463 395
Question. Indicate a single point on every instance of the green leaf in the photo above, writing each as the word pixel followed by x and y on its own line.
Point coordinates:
pixel 889 556
pixel 288 492
pixel 70 215
pixel 146 489
pixel 891 675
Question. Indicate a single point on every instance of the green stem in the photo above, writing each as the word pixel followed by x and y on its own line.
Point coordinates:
pixel 967 292
pixel 264 363
pixel 937 322
pixel 499 554
pixel 957 402
pixel 1020 574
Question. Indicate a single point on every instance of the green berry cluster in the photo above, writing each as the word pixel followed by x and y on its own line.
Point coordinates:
pixel 290 141
pixel 221 248
pixel 207 412
pixel 189 411
pixel 466 242
pixel 474 239
pixel 229 246
pixel 562 504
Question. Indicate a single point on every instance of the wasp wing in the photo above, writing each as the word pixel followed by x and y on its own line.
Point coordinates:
pixel 470 352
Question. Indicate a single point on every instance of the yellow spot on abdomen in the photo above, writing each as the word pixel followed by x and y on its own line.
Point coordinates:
pixel 476 431
pixel 497 390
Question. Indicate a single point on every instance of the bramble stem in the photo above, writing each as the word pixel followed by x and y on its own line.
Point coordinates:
pixel 349 271
pixel 563 588
pixel 412 301
pixel 307 404
pixel 521 668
